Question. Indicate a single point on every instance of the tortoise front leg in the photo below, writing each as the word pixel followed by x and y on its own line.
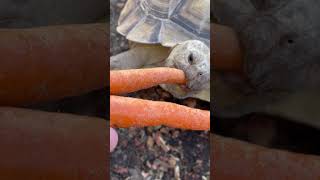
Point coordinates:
pixel 138 57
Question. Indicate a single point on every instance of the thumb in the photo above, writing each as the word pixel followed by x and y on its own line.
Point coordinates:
pixel 113 139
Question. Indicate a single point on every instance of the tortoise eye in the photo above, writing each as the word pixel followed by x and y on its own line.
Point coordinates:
pixel 290 41
pixel 190 58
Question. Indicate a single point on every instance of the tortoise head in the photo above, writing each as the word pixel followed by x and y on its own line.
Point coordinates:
pixel 193 57
pixel 281 40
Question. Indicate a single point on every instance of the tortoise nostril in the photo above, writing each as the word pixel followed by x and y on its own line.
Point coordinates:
pixel 190 58
pixel 290 41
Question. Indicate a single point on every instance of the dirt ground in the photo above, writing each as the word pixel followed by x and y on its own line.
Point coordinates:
pixel 157 152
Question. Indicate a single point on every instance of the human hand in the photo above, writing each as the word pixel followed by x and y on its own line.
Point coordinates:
pixel 113 139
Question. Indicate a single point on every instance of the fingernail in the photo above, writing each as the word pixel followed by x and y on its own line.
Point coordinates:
pixel 113 139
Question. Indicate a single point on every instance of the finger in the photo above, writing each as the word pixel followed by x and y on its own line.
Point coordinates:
pixel 113 139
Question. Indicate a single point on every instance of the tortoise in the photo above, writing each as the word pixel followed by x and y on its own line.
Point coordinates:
pixel 281 42
pixel 169 33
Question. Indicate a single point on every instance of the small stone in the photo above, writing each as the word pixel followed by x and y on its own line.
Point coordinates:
pixel 150 142
pixel 150 129
pixel 164 130
pixel 177 173
pixel 149 165
pixel 162 143
pixel 135 174
pixel 161 174
pixel 121 170
pixel 172 162
pixel 199 162
pixel 144 174
pixel 175 134
pixel 157 127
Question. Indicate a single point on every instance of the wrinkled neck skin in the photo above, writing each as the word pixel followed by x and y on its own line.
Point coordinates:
pixel 281 41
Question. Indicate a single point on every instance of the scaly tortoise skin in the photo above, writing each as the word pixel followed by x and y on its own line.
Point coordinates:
pixel 171 33
pixel 281 40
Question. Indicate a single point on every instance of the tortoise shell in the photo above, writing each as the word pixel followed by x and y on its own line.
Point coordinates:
pixel 167 22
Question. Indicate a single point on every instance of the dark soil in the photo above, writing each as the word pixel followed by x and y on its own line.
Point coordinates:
pixel 157 152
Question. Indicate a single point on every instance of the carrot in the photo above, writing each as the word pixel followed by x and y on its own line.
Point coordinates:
pixel 44 145
pixel 233 159
pixel 48 63
pixel 131 112
pixel 227 55
pixel 125 81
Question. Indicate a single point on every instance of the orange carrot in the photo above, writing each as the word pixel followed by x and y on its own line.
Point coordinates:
pixel 131 112
pixel 51 146
pixel 49 63
pixel 125 81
